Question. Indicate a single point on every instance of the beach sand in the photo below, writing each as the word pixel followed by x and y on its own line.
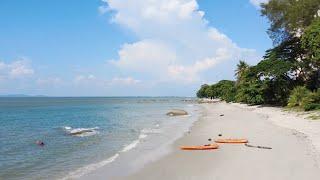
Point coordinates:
pixel 294 155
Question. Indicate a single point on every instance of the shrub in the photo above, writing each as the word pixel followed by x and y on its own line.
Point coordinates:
pixel 313 102
pixel 312 106
pixel 316 96
pixel 304 98
pixel 299 96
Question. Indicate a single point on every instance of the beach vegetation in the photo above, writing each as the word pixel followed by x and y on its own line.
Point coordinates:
pixel 251 94
pixel 304 98
pixel 202 91
pixel 289 73
pixel 312 102
pixel 289 18
pixel 242 68
pixel 224 90
pixel 249 88
pixel 210 92
pixel 314 117
pixel 299 97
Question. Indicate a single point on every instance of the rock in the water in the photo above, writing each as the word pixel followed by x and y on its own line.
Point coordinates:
pixel 177 112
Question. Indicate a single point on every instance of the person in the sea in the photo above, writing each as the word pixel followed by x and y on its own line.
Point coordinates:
pixel 40 143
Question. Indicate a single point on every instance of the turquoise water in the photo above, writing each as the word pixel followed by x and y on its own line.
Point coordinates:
pixel 81 134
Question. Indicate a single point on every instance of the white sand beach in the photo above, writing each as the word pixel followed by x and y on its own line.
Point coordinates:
pixel 293 139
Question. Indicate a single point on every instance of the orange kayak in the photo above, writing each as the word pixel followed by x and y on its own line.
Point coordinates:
pixel 231 141
pixel 204 147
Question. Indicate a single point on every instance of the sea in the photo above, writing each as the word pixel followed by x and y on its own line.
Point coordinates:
pixel 81 135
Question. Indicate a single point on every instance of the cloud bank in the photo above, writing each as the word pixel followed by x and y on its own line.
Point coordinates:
pixel 16 69
pixel 175 41
pixel 176 49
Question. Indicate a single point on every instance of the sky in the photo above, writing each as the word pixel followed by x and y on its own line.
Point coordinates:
pixel 127 47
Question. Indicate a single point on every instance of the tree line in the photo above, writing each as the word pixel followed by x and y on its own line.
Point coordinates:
pixel 289 73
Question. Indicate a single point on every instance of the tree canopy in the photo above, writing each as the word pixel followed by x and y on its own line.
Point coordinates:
pixel 289 18
pixel 289 69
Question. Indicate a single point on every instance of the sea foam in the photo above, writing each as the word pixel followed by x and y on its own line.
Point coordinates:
pixel 87 169
pixel 81 132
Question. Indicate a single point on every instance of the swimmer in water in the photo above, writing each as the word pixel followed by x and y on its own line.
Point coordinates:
pixel 40 143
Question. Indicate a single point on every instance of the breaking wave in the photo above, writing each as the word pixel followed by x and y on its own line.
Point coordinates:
pixel 87 169
pixel 81 132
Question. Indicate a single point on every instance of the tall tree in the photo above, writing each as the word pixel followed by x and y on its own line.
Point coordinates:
pixel 202 91
pixel 242 66
pixel 311 44
pixel 289 18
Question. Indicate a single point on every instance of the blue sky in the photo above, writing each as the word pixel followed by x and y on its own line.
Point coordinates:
pixel 125 48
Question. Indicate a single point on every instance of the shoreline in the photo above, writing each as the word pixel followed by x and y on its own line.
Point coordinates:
pixel 143 151
pixel 293 156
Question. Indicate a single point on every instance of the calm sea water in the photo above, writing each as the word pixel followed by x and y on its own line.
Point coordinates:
pixel 84 134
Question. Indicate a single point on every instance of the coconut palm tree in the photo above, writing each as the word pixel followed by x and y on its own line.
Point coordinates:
pixel 242 66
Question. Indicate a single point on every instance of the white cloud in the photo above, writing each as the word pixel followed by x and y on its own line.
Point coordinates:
pixel 49 81
pixel 257 3
pixel 79 79
pixel 189 73
pixel 175 41
pixel 145 56
pixel 133 13
pixel 103 9
pixel 124 81
pixel 16 69
pixel 93 81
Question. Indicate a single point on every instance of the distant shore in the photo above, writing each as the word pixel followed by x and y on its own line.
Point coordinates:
pixel 295 144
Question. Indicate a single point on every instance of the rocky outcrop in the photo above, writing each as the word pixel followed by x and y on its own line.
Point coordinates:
pixel 177 112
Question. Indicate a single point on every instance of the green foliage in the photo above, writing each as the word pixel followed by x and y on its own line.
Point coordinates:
pixel 210 93
pixel 311 42
pixel 289 17
pixel 313 80
pixel 316 96
pixel 304 98
pixel 313 103
pixel 225 90
pixel 202 91
pixel 289 73
pixel 312 106
pixel 299 97
pixel 250 93
pixel 242 67
pixel 275 76
pixel 314 117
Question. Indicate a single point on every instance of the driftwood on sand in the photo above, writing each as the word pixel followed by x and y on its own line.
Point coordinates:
pixel 260 147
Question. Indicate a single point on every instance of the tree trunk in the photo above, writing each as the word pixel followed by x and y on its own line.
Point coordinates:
pixel 317 85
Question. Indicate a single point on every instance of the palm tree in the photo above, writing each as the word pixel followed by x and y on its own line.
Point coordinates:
pixel 241 68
